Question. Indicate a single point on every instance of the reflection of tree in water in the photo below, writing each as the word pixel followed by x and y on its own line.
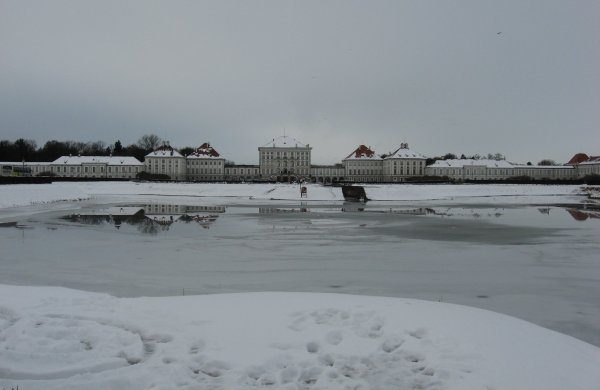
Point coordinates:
pixel 145 223
pixel 89 219
pixel 148 226
pixel 202 220
pixel 186 218
pixel 107 219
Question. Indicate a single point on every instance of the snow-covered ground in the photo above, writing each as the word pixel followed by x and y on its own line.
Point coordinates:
pixel 16 195
pixel 56 338
pixel 24 195
pixel 315 192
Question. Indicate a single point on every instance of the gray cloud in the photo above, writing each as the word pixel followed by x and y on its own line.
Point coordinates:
pixel 520 78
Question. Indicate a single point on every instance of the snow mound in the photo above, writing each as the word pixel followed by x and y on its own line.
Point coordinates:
pixel 55 338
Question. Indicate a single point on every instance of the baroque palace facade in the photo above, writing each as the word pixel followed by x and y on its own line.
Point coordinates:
pixel 286 159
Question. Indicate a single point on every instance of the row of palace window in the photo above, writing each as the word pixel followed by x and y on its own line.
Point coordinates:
pixel 407 171
pixel 287 164
pixel 206 170
pixel 196 163
pixel 242 171
pixel 92 169
pixel 363 163
pixel 291 171
pixel 414 163
pixel 499 172
pixel 295 154
pixel 176 165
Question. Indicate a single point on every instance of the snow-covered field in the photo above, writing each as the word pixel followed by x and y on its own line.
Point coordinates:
pixel 56 338
pixel 23 195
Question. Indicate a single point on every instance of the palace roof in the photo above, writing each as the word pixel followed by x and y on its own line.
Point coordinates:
pixel 284 141
pixel 459 163
pixel 592 160
pixel 363 153
pixel 404 152
pixel 578 159
pixel 109 160
pixel 164 151
pixel 205 151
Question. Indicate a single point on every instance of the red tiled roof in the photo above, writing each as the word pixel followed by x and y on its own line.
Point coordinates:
pixel 206 150
pixel 361 152
pixel 578 159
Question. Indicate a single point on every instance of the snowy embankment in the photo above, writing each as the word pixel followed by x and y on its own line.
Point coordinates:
pixel 16 195
pixel 55 338
pixel 383 192
pixel 23 195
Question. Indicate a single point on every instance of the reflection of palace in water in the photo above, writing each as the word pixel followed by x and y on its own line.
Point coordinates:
pixel 282 210
pixel 167 214
pixel 150 218
pixel 155 218
pixel 583 215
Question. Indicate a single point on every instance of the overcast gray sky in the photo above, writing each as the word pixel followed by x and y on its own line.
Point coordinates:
pixel 514 76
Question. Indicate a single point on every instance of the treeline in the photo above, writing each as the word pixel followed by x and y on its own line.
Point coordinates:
pixel 28 150
pixel 452 156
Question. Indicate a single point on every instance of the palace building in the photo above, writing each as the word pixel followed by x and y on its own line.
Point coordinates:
pixel 285 159
pixel 363 165
pixel 205 164
pixel 108 167
pixel 402 164
pixel 166 161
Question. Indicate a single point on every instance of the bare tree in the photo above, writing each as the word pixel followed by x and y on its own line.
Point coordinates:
pixel 149 141
pixel 97 148
pixel 496 156
pixel 547 162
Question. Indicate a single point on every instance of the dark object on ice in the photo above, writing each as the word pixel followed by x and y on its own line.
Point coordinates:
pixel 354 194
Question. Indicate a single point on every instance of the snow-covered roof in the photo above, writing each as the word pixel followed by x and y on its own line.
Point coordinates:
pixel 459 163
pixel 284 141
pixel 591 160
pixel 469 162
pixel 544 166
pixel 578 158
pixel 35 163
pixel 405 153
pixel 109 160
pixel 363 153
pixel 20 163
pixel 205 151
pixel 164 151
pixel 583 159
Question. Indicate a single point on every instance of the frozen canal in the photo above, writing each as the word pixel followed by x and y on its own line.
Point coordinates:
pixel 537 263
